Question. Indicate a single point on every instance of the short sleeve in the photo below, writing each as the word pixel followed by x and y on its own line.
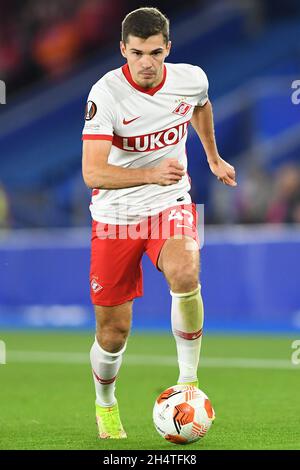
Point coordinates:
pixel 99 115
pixel 203 87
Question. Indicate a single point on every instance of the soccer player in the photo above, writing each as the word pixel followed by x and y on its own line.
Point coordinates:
pixel 134 159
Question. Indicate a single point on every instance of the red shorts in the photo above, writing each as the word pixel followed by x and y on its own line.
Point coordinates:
pixel 117 250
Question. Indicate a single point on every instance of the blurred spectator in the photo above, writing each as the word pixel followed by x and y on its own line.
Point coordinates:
pixel 284 206
pixel 56 48
pixel 296 213
pixel 260 197
pixel 4 209
pixel 245 204
pixel 253 196
pixel 41 38
pixel 95 19
pixel 10 54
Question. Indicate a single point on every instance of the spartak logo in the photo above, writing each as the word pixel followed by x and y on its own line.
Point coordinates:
pixel 95 285
pixel 182 109
pixel 154 141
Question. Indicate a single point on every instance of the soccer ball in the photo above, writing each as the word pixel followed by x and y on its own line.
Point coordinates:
pixel 182 414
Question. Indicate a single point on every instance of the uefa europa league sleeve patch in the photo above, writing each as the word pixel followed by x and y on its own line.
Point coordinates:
pixel 90 110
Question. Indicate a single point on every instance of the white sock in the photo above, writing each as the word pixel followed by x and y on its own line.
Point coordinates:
pixel 105 367
pixel 187 322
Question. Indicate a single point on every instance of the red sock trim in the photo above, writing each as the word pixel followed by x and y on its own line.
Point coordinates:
pixel 104 381
pixel 188 336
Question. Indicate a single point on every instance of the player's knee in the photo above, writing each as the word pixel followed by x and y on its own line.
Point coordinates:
pixel 184 279
pixel 112 339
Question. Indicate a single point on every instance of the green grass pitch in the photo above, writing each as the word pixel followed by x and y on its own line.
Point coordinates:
pixel 47 394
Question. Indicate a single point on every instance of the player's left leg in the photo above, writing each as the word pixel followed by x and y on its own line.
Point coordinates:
pixel 179 260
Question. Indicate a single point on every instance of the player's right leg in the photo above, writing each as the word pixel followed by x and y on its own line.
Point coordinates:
pixel 115 280
pixel 113 326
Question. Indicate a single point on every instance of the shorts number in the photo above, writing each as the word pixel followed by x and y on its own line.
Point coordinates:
pixel 177 215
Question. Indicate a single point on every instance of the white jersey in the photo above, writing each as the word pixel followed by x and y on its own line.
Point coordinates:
pixel 146 126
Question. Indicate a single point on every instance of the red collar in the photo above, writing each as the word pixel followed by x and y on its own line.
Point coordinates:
pixel 148 91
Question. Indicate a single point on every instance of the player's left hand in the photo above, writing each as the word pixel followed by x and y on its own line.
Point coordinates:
pixel 223 171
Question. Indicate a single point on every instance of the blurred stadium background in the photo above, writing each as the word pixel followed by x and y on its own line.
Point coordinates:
pixel 51 52
pixel 50 55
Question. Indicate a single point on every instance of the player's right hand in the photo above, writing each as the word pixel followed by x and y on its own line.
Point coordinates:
pixel 170 171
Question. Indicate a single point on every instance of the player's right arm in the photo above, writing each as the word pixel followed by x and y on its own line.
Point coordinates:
pixel 97 141
pixel 99 174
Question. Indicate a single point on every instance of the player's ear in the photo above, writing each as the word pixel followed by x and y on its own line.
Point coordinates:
pixel 168 48
pixel 123 49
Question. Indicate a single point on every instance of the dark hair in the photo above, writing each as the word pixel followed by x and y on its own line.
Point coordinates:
pixel 145 22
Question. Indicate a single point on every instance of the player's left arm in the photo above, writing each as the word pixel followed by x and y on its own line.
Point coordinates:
pixel 202 122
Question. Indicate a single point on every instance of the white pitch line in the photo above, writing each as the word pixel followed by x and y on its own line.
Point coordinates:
pixel 130 359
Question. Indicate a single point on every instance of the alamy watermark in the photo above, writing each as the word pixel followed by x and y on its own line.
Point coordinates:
pixel 2 92
pixel 2 352
pixel 180 221
pixel 296 94
pixel 295 358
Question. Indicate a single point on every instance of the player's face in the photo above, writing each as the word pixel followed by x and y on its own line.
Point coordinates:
pixel 145 58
